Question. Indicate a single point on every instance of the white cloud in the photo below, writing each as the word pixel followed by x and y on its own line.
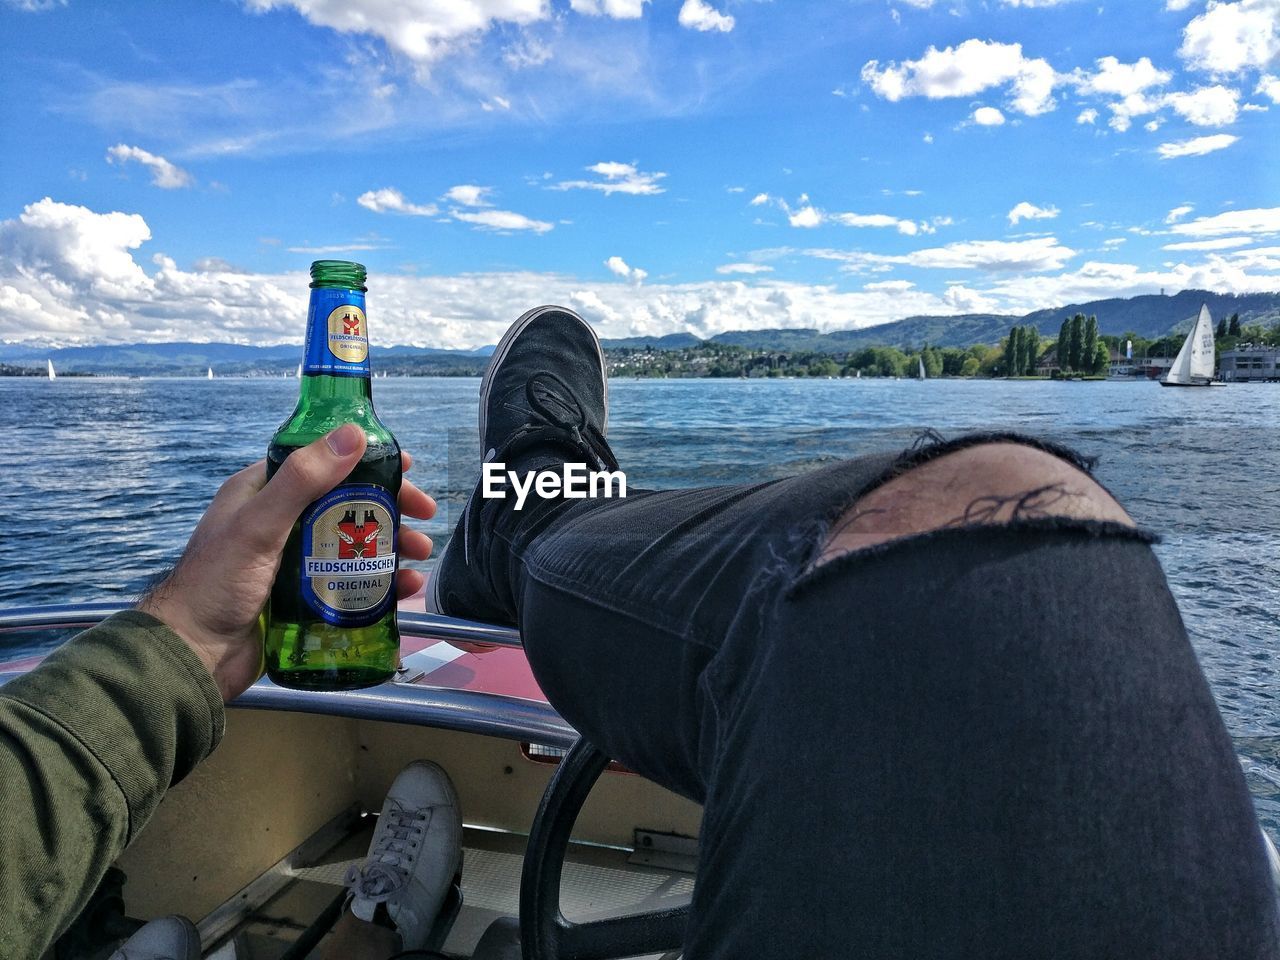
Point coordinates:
pixel 331 248
pixel 620 267
pixel 963 300
pixel 806 216
pixel 391 200
pixel 1124 86
pixel 1269 87
pixel 759 199
pixel 1112 242
pixel 502 220
pixel 894 286
pixel 617 178
pixel 1175 5
pixel 698 15
pixel 988 117
pixel 68 274
pixel 1113 78
pixel 618 9
pixel 526 52
pixel 1029 211
pixel 1177 213
pixel 1196 147
pixel 1230 37
pixel 1221 243
pixel 164 174
pixel 1151 126
pixel 1214 106
pixel 469 195
pixel 966 70
pixel 1089 115
pixel 1258 220
pixel 425 31
pixel 927 138
pixel 1094 280
pixel 35 6
pixel 908 227
pixel 748 268
pixel 996 256
pixel 77 250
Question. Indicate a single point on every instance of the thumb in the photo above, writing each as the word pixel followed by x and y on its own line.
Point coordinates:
pixel 306 475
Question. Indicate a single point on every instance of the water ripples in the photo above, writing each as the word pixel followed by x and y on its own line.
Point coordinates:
pixel 106 478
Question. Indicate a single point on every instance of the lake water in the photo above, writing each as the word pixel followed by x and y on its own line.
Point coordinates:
pixel 104 479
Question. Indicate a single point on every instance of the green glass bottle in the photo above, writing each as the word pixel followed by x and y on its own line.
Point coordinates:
pixel 331 618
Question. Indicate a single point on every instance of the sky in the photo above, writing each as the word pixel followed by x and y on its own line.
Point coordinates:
pixel 172 168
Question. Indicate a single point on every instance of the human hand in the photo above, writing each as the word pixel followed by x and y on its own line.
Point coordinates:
pixel 213 597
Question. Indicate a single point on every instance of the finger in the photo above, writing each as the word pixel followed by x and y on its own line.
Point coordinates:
pixel 409 582
pixel 415 503
pixel 306 475
pixel 406 461
pixel 238 489
pixel 414 545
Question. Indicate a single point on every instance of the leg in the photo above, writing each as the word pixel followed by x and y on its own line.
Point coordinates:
pixel 936 704
pixel 981 740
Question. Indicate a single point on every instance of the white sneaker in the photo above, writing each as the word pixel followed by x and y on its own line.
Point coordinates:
pixel 168 938
pixel 415 853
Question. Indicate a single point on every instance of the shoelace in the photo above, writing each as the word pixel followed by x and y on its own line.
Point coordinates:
pixel 563 421
pixel 386 870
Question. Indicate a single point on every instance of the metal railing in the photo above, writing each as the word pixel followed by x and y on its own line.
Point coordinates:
pixel 466 711
pixel 78 616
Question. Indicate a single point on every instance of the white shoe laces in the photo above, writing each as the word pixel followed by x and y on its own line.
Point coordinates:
pixel 386 870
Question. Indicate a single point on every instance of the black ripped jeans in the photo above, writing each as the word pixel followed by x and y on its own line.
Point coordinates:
pixel 985 742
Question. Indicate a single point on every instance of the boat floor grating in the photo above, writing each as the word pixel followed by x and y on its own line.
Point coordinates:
pixel 597 882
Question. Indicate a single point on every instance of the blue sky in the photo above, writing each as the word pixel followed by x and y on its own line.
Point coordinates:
pixel 173 168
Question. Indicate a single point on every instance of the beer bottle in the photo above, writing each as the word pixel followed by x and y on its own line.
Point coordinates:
pixel 331 618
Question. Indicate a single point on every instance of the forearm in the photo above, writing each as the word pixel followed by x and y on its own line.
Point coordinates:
pixel 89 743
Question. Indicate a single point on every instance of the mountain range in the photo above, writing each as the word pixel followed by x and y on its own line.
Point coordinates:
pixel 1148 316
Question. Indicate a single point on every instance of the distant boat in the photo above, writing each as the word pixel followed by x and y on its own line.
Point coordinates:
pixel 922 376
pixel 53 374
pixel 1193 366
pixel 209 375
pixel 299 373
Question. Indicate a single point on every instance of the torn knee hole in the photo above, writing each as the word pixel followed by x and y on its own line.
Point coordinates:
pixel 988 484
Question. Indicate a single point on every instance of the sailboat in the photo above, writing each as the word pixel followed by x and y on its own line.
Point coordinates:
pixel 922 375
pixel 209 375
pixel 53 375
pixel 1193 366
pixel 299 373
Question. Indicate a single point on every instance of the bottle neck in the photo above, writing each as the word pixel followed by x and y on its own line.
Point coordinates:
pixel 335 361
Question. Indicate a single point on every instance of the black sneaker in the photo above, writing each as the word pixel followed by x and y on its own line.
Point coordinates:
pixel 544 400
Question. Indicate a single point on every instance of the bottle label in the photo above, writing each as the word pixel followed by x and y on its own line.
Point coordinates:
pixel 337 334
pixel 349 555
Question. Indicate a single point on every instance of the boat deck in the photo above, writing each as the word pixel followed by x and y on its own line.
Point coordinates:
pixel 598 882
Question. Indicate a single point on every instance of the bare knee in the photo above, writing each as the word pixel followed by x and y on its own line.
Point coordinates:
pixel 991 483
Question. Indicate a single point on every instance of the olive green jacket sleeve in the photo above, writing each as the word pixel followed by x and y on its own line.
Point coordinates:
pixel 89 742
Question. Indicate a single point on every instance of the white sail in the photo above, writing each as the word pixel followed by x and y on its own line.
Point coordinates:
pixel 921 359
pixel 53 375
pixel 1194 361
pixel 209 375
pixel 299 373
